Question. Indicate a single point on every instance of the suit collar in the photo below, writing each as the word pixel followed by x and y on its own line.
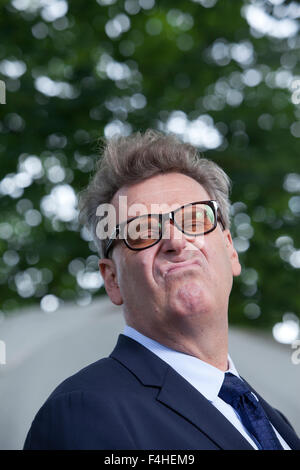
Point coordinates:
pixel 148 368
pixel 206 378
pixel 176 393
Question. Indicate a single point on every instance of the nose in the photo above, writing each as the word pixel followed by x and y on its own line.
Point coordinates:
pixel 174 239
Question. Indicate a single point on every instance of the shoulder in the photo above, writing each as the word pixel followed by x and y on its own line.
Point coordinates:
pixel 103 375
pixel 284 418
pixel 84 402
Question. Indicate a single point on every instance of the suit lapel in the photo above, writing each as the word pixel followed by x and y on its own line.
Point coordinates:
pixel 176 393
pixel 194 407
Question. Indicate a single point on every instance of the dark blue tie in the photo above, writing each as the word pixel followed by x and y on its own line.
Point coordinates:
pixel 237 394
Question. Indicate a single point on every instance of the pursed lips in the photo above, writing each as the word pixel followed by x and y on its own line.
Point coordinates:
pixel 184 264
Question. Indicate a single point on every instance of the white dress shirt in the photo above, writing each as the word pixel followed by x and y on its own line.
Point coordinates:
pixel 206 378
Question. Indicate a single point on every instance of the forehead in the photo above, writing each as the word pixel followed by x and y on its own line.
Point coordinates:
pixel 164 192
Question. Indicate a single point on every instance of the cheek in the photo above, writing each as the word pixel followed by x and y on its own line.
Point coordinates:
pixel 136 271
pixel 219 259
pixel 144 271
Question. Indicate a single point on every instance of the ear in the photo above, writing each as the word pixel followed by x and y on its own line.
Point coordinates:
pixel 232 253
pixel 109 273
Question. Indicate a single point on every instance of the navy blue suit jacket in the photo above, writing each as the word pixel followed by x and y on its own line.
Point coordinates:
pixel 135 400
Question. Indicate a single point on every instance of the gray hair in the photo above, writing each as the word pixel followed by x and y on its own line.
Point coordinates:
pixel 125 161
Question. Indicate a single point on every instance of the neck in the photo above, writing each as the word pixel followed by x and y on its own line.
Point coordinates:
pixel 207 344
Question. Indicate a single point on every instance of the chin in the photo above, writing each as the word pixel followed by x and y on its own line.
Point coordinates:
pixel 198 310
pixel 191 301
pixel 190 295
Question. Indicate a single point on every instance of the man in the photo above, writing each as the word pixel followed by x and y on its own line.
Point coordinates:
pixel 166 256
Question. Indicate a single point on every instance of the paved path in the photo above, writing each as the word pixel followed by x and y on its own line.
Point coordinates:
pixel 42 349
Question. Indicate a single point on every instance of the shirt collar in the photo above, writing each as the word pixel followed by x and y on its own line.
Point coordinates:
pixel 206 378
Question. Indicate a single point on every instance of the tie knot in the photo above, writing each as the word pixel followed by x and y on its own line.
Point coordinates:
pixel 233 388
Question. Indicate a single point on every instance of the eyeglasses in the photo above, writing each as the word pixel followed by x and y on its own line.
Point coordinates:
pixel 144 231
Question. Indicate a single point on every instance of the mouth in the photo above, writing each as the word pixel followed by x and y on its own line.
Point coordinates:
pixel 183 265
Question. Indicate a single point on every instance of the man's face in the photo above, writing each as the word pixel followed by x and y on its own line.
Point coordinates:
pixel 180 280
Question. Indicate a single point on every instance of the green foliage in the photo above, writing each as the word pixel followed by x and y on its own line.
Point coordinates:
pixel 104 66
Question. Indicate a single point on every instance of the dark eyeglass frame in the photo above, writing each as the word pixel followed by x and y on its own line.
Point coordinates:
pixel 162 219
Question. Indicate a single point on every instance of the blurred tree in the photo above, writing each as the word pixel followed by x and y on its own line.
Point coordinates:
pixel 219 74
